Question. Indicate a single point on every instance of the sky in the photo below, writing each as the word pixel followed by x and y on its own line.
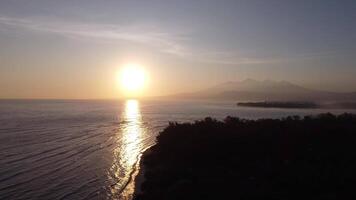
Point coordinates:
pixel 73 49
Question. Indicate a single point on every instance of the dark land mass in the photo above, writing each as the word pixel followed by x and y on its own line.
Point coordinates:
pixel 279 104
pixel 345 105
pixel 313 157
pixel 269 90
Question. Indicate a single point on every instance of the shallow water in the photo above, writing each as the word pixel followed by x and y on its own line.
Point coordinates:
pixel 74 149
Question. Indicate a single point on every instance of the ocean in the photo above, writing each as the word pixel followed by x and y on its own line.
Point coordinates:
pixel 89 149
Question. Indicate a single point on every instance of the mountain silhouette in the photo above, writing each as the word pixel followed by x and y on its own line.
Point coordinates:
pixel 267 90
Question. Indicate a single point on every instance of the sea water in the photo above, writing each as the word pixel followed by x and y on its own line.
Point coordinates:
pixel 89 149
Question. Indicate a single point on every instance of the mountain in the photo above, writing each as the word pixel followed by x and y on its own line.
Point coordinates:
pixel 268 90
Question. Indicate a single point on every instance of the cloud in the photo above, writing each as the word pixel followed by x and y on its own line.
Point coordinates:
pixel 149 35
pixel 167 42
pixel 231 58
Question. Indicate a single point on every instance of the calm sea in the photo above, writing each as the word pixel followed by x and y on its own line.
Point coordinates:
pixel 73 149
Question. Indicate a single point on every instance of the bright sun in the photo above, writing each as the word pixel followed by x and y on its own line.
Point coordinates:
pixel 132 79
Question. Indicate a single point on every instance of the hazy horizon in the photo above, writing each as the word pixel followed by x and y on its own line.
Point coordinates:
pixel 74 49
pixel 178 95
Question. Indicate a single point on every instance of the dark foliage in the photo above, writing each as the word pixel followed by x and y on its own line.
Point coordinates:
pixel 292 158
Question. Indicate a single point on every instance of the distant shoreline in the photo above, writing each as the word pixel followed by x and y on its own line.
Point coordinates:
pixel 298 105
pixel 280 104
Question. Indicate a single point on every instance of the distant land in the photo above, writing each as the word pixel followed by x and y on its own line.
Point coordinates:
pixel 269 90
pixel 279 104
pixel 298 104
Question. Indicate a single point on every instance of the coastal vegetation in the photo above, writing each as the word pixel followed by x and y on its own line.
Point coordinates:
pixel 290 158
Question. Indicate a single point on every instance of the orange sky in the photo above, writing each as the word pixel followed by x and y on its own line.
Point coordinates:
pixel 60 49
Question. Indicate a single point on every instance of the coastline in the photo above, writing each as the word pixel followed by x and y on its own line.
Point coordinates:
pixel 140 176
pixel 288 158
pixel 133 187
pixel 280 104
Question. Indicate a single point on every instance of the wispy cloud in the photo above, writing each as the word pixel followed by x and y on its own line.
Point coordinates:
pixel 231 58
pixel 167 42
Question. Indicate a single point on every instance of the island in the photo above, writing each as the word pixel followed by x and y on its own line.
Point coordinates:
pixel 279 104
pixel 295 157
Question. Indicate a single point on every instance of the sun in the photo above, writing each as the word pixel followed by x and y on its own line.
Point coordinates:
pixel 132 79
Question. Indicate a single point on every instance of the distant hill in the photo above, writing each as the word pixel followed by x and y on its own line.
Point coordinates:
pixel 267 90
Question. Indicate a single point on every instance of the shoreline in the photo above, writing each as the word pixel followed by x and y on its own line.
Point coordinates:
pixel 280 104
pixel 140 176
pixel 133 186
pixel 284 158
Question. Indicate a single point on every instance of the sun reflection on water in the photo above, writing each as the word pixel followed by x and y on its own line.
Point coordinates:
pixel 127 153
pixel 132 133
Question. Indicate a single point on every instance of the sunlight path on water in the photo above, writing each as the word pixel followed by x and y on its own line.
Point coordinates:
pixel 127 154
